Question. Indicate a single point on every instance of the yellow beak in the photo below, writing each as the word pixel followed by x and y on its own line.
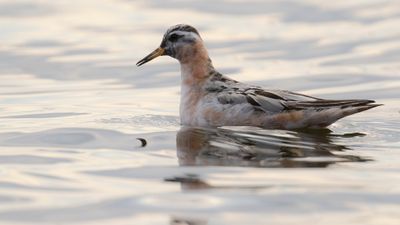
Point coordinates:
pixel 158 52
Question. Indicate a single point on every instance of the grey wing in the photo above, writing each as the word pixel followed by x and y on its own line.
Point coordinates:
pixel 267 101
pixel 275 101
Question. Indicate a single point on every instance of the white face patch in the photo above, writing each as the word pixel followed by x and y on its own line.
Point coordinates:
pixel 182 37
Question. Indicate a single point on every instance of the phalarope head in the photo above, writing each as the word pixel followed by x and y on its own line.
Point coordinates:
pixel 178 42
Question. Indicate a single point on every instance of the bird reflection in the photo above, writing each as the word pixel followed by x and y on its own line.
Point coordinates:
pixel 244 146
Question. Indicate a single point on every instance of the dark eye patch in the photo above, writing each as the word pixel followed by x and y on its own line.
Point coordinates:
pixel 174 37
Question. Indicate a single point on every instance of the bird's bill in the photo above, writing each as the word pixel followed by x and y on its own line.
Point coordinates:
pixel 158 52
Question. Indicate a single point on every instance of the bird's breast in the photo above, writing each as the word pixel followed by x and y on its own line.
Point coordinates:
pixel 191 97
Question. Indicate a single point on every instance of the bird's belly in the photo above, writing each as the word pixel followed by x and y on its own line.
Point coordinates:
pixel 207 111
pixel 213 114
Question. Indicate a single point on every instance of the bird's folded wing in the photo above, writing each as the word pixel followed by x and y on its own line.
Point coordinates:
pixel 260 99
pixel 275 101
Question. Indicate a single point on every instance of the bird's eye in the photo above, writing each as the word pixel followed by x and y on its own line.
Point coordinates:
pixel 173 37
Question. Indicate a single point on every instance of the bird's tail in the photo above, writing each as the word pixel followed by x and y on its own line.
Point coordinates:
pixel 356 109
pixel 327 112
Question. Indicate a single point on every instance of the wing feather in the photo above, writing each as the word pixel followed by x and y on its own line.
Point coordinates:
pixel 275 101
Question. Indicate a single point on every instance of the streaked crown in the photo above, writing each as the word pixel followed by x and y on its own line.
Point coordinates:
pixel 181 27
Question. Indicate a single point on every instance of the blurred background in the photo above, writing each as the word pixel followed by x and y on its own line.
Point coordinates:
pixel 72 103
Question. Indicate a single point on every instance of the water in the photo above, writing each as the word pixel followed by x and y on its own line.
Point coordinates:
pixel 73 103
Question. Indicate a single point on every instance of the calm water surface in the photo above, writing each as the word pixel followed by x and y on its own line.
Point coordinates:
pixel 73 103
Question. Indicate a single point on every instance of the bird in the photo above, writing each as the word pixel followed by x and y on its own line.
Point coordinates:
pixel 211 99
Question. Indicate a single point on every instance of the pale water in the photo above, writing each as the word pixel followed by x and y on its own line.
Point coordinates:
pixel 73 103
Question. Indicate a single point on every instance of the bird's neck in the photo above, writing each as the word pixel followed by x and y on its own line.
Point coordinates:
pixel 196 66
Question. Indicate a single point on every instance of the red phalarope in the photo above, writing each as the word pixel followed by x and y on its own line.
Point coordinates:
pixel 210 99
